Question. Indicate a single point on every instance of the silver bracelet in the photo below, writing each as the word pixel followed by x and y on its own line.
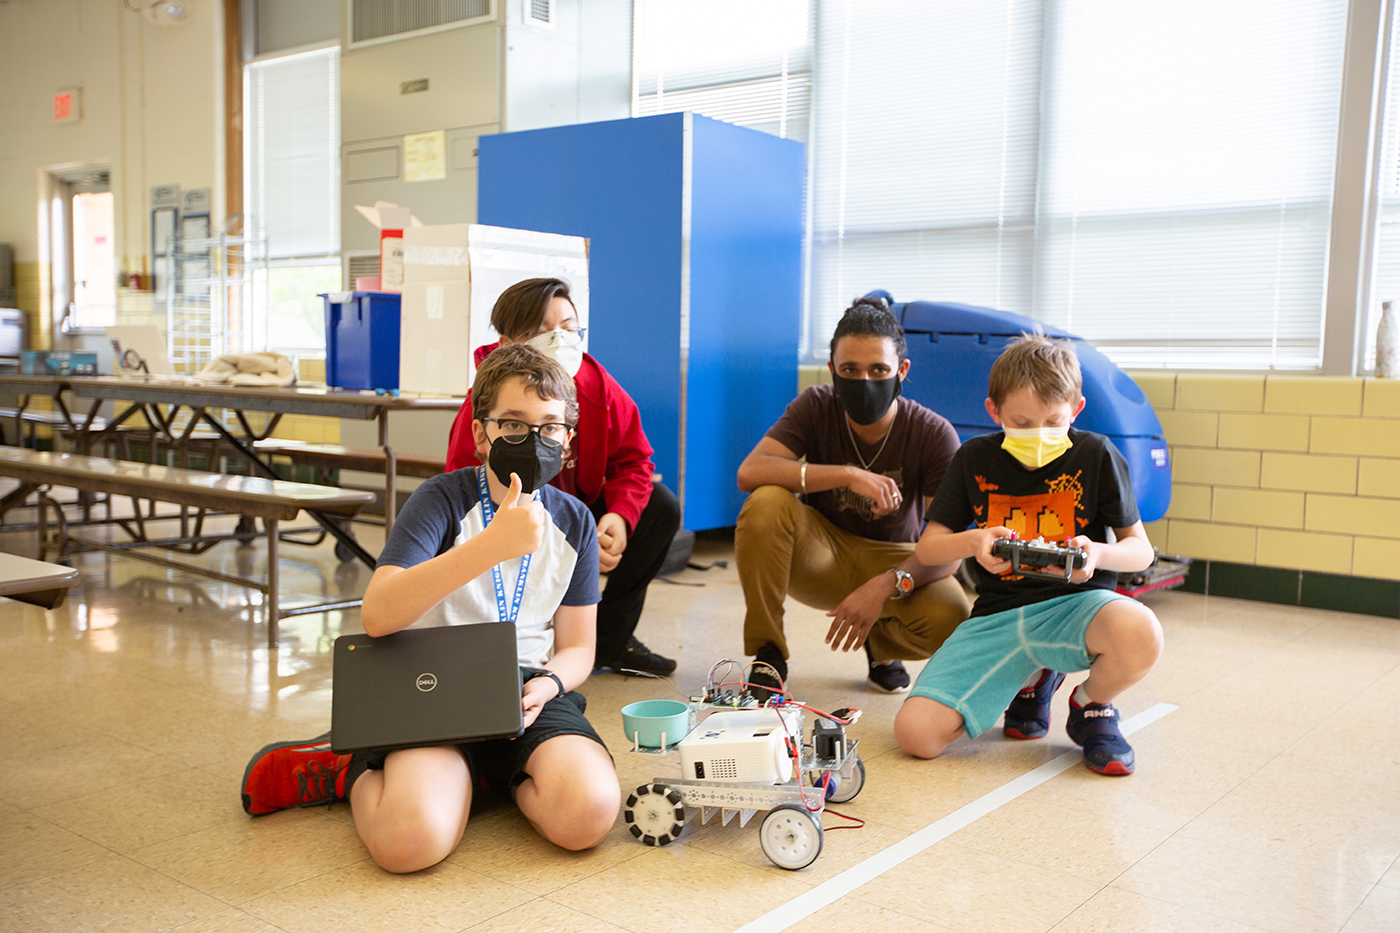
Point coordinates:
pixel 802 477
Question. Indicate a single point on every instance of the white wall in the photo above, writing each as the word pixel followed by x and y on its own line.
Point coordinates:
pixel 152 111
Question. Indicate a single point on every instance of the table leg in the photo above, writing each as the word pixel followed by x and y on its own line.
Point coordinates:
pixel 273 613
pixel 391 475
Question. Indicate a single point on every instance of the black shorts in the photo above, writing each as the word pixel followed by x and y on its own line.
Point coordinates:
pixel 499 764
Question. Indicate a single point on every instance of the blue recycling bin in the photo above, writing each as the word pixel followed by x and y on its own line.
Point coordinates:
pixel 362 340
pixel 952 347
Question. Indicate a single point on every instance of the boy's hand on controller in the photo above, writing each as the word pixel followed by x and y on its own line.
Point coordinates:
pixel 518 525
pixel 987 539
pixel 1091 557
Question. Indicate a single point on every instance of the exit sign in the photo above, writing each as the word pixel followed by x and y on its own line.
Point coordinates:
pixel 68 105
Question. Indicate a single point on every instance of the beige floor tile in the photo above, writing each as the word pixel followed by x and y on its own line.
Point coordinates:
pixel 1086 845
pixel 29 731
pixel 115 894
pixel 1155 796
pixel 1254 889
pixel 1391 878
pixel 505 847
pixel 541 916
pixel 227 921
pixel 968 891
pixel 850 914
pixel 680 889
pixel 155 809
pixel 1379 913
pixel 237 736
pixel 31 847
pixel 363 897
pixel 1269 826
pixel 242 859
pixel 1331 787
pixel 78 769
pixel 1114 910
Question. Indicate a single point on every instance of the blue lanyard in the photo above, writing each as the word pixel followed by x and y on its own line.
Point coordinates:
pixel 488 511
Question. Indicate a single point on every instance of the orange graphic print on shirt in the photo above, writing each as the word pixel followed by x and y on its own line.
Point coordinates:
pixel 1050 515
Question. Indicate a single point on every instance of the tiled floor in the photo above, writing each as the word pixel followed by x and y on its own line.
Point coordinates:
pixel 1270 800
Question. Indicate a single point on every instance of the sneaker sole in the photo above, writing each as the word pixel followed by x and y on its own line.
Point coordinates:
pixel 884 689
pixel 1112 769
pixel 1013 733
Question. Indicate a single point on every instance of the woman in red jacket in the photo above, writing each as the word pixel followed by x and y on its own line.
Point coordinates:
pixel 608 466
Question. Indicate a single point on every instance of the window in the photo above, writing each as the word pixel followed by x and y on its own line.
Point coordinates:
pixel 1167 199
pixel 94 261
pixel 698 57
pixel 1385 269
pixel 293 200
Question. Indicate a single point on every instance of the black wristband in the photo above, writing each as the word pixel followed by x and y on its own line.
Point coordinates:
pixel 545 672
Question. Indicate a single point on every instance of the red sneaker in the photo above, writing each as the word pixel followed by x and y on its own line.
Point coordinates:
pixel 294 774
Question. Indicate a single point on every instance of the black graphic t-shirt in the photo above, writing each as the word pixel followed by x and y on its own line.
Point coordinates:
pixel 1084 491
pixel 914 454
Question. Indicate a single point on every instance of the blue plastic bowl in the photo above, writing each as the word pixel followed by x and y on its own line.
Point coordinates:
pixel 645 723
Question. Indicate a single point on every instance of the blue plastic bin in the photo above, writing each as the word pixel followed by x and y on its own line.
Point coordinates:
pixel 952 347
pixel 362 340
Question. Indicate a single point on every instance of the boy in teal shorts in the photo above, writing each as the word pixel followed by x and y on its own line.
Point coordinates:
pixel 1037 477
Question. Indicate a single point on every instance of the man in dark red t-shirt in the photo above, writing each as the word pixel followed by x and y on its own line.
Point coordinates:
pixel 864 462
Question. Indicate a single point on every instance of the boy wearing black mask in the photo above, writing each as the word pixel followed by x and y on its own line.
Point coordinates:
pixel 477 545
pixel 863 460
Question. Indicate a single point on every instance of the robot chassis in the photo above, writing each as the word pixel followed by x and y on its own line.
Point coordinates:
pixel 790 833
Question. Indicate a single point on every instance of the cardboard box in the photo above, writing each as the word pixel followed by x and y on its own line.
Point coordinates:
pixel 453 274
pixel 390 220
pixel 57 363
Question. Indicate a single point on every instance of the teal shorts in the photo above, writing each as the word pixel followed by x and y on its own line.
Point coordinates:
pixel 989 658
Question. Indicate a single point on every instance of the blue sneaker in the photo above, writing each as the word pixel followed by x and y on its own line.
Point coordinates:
pixel 1095 727
pixel 1028 716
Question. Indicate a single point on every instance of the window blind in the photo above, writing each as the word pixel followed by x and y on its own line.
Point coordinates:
pixel 293 154
pixel 739 61
pixel 1155 178
pixel 1385 268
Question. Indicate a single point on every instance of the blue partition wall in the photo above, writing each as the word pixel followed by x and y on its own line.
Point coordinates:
pixel 695 244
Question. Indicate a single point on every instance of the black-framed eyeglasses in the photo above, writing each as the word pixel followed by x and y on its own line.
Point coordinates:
pixel 553 433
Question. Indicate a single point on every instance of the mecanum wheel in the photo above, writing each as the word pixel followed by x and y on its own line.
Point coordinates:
pixel 655 814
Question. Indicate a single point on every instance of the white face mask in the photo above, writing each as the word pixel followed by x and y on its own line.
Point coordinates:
pixel 562 346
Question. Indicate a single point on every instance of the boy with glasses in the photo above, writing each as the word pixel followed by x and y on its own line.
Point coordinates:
pixel 608 466
pixel 460 543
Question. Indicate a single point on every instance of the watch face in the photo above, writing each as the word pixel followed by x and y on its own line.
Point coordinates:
pixel 903 582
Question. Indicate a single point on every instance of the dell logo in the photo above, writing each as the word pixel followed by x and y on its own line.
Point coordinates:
pixel 427 682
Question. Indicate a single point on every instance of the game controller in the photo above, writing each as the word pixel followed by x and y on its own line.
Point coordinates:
pixel 1033 558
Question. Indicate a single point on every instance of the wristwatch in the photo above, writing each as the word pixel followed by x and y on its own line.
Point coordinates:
pixel 542 672
pixel 903 583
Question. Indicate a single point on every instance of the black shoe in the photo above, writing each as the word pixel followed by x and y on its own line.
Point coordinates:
pixel 762 683
pixel 638 657
pixel 891 677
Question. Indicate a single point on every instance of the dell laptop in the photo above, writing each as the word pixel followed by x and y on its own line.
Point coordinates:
pixel 425 686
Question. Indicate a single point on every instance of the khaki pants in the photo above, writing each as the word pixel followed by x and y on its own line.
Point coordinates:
pixel 784 548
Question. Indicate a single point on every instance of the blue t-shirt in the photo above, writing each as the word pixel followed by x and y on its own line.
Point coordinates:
pixel 446 511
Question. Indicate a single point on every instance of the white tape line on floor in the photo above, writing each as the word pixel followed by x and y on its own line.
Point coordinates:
pixel 833 889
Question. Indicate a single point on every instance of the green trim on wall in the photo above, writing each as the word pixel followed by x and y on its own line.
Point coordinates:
pixel 1308 588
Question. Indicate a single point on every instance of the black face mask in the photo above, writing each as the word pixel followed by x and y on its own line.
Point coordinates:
pixel 866 400
pixel 533 460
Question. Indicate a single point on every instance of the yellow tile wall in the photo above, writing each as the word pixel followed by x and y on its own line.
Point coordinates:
pixel 1293 471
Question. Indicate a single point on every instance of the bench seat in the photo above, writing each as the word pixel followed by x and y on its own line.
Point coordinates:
pixel 336 457
pixel 253 496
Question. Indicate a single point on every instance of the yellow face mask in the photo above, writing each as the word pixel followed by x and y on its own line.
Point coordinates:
pixel 1035 447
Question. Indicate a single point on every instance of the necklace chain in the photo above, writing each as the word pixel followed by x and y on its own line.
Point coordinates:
pixel 856 445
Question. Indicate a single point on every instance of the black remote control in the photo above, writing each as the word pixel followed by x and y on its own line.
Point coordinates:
pixel 1038 557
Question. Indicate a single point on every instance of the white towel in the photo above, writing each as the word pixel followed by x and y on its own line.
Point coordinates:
pixel 249 369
